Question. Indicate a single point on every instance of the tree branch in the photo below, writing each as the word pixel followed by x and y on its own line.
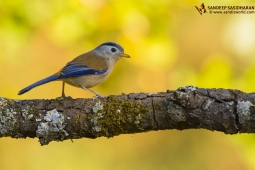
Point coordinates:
pixel 226 110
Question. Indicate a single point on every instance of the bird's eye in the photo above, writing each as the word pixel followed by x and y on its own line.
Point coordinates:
pixel 113 49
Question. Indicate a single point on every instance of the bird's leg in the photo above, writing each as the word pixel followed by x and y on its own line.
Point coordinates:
pixel 63 96
pixel 63 90
pixel 97 94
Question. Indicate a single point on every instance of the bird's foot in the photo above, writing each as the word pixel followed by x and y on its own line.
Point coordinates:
pixel 98 96
pixel 63 97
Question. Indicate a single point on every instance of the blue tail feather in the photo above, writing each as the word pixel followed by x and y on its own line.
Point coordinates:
pixel 43 81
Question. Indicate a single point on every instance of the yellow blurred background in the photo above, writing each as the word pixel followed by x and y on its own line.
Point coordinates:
pixel 171 45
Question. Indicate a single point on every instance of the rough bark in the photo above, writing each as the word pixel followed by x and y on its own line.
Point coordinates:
pixel 225 110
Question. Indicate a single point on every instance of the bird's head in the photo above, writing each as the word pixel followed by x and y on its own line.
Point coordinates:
pixel 111 51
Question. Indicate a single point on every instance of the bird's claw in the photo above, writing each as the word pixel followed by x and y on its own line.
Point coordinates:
pixel 63 97
pixel 98 96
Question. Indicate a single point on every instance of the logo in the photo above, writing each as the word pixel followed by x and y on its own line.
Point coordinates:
pixel 202 9
pixel 225 9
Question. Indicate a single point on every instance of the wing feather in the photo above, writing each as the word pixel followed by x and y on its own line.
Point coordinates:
pixel 84 65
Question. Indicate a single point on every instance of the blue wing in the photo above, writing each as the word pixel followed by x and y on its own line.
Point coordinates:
pixel 73 70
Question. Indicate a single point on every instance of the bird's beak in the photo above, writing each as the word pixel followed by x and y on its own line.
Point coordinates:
pixel 124 55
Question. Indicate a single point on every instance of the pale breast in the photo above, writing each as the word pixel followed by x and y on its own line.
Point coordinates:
pixel 87 81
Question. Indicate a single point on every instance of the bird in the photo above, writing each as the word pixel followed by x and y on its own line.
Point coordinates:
pixel 86 70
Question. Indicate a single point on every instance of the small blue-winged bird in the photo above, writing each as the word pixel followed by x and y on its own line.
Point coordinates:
pixel 87 70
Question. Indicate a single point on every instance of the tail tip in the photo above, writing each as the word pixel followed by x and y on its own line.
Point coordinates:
pixel 23 91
